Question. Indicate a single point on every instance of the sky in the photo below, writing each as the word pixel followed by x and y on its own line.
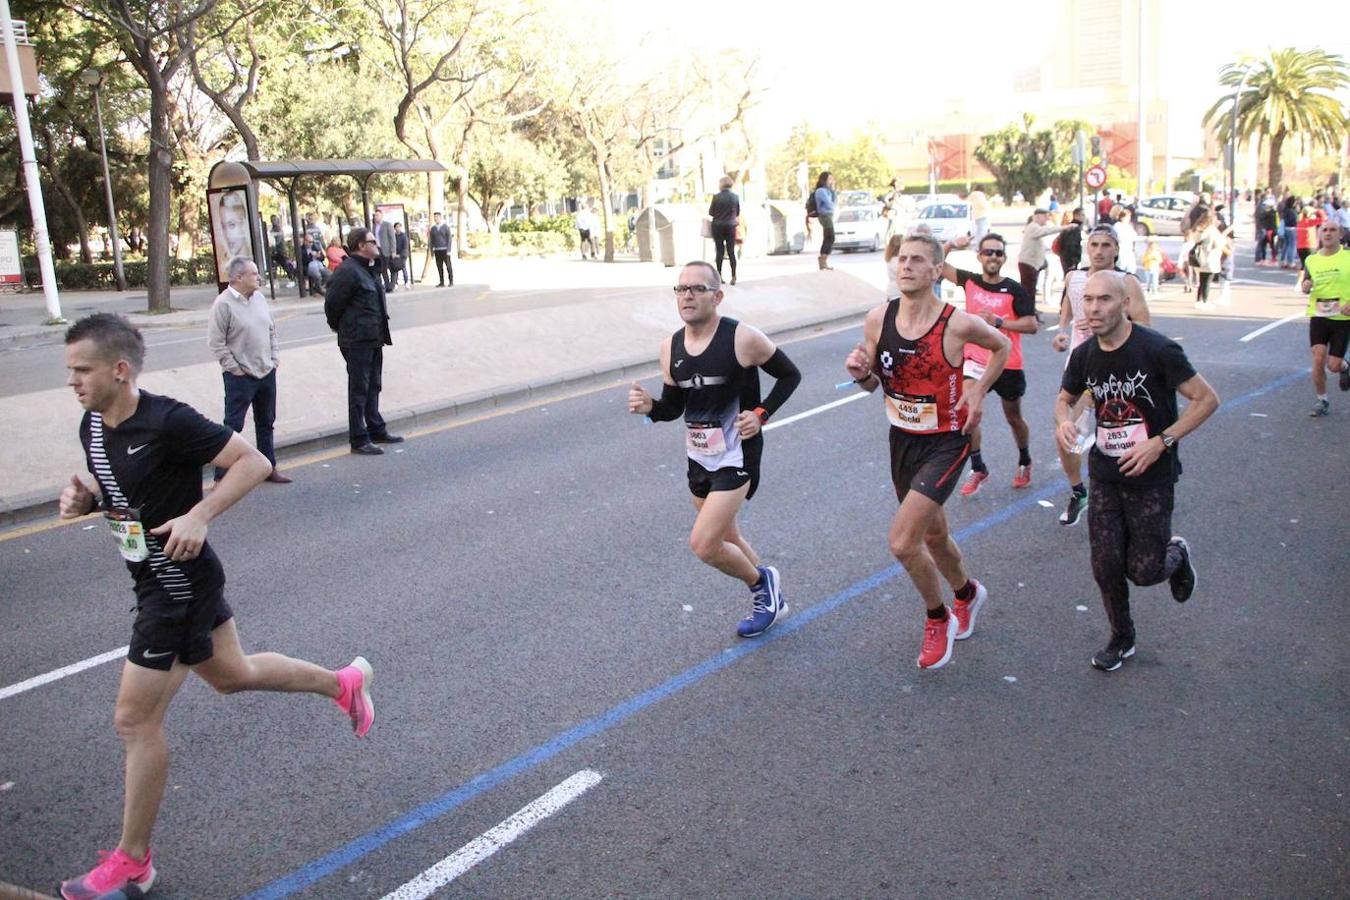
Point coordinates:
pixel 873 60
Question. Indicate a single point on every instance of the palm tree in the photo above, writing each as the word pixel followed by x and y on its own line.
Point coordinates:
pixel 1288 94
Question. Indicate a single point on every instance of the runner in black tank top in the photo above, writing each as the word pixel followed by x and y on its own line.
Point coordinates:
pixel 912 349
pixel 147 453
pixel 711 372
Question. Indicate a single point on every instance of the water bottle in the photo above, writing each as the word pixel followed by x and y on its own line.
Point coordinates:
pixel 1087 432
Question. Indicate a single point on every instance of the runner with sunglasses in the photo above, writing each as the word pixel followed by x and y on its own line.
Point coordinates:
pixel 1004 304
pixel 710 369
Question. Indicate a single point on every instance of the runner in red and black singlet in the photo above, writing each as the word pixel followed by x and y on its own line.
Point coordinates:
pixel 1004 304
pixel 912 347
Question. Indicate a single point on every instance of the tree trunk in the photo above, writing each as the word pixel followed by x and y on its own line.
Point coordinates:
pixel 1276 170
pixel 161 190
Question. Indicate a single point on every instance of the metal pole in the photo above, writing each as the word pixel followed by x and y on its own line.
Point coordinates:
pixel 30 171
pixel 1232 147
pixel 118 274
pixel 1141 132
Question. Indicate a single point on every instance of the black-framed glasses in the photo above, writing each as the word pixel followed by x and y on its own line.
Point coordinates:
pixel 993 253
pixel 696 289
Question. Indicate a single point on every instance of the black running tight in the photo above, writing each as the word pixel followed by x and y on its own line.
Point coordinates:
pixel 1202 292
pixel 1129 528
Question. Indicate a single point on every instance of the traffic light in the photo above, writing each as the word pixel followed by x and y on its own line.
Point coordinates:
pixel 1096 145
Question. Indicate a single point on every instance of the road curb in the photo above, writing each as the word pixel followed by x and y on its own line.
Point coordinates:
pixel 41 504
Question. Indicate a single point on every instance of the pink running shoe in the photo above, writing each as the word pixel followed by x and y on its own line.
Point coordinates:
pixel 117 875
pixel 966 611
pixel 938 639
pixel 973 482
pixel 354 700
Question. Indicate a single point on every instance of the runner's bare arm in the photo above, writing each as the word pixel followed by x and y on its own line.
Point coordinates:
pixel 1136 307
pixel 1061 340
pixel 1066 432
pixel 859 361
pixel 245 468
pixel 959 243
pixel 968 329
pixel 1202 401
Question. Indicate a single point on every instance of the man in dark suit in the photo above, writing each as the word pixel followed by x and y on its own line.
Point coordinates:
pixel 383 232
pixel 355 308
pixel 439 241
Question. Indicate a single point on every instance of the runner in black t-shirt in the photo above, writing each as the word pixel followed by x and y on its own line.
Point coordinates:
pixel 147 454
pixel 1133 374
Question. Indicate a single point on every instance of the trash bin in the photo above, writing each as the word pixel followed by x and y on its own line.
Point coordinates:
pixel 787 223
pixel 671 234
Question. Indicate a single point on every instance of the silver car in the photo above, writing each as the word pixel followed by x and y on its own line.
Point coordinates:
pixel 1162 214
pixel 947 220
pixel 859 228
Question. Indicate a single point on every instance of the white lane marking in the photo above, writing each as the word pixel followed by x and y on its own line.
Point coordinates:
pixel 495 838
pixel 39 680
pixel 811 412
pixel 1270 326
pixel 73 668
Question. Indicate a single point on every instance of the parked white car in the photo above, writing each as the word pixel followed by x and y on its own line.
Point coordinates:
pixel 1162 214
pixel 947 220
pixel 859 228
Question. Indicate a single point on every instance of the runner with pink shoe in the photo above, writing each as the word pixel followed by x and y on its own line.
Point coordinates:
pixel 147 454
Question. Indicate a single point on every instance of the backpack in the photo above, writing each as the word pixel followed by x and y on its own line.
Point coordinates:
pixel 811 204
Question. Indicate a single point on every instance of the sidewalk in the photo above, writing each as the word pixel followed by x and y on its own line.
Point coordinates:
pixel 432 373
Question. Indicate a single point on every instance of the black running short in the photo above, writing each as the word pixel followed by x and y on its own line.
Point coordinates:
pixel 1011 384
pixel 702 482
pixel 1335 333
pixel 167 628
pixel 928 463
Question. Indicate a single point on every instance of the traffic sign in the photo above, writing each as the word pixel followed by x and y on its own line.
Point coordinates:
pixel 1095 177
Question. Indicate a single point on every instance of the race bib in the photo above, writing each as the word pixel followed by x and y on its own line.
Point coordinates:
pixel 128 532
pixel 1117 439
pixel 912 413
pixel 1328 307
pixel 973 370
pixel 705 438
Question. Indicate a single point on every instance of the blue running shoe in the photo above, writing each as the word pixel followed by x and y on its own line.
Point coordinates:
pixel 768 605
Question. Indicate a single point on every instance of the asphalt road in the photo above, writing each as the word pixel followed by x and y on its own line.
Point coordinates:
pixel 524 590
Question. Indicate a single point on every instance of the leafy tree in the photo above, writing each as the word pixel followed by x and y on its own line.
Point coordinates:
pixel 860 166
pixel 1019 158
pixel 1288 94
pixel 512 168
pixel 804 145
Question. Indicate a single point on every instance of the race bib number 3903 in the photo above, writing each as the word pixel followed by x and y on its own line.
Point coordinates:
pixel 705 438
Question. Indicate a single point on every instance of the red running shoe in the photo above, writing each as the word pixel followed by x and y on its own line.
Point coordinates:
pixel 973 482
pixel 965 611
pixel 1023 476
pixel 939 636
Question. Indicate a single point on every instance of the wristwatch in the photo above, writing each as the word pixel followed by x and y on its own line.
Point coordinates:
pixel 1169 441
pixel 763 415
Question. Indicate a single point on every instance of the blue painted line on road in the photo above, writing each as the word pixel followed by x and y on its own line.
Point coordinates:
pixel 349 853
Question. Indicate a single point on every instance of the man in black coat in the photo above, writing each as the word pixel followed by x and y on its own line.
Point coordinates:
pixel 355 308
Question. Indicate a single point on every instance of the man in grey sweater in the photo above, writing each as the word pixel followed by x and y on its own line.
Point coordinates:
pixel 243 338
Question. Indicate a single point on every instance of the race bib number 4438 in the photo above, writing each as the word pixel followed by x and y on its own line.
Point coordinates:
pixel 912 413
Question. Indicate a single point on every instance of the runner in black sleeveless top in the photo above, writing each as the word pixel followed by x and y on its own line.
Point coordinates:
pixel 912 347
pixel 710 368
pixel 147 454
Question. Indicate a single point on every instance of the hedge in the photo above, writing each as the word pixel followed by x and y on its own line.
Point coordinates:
pixel 78 276
pixel 479 244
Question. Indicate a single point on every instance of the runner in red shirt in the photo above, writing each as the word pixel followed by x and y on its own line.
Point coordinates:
pixel 912 349
pixel 1004 304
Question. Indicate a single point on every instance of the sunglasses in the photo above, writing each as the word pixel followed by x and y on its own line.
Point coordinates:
pixel 692 289
pixel 993 253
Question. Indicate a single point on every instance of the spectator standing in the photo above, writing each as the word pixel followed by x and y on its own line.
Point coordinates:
pixel 355 308
pixel 1289 233
pixel 979 212
pixel 1267 222
pixel 586 228
pixel 1125 235
pixel 384 245
pixel 439 241
pixel 279 258
pixel 890 206
pixel 1070 242
pixel 399 262
pixel 725 211
pixel 825 202
pixel 1209 257
pixel 1152 261
pixel 1104 206
pixel 1031 255
pixel 242 336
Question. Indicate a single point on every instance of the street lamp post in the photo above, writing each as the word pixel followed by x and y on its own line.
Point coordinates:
pixel 1232 146
pixel 94 79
